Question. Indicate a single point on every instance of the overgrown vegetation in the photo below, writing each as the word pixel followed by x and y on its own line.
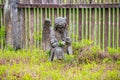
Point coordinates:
pixel 86 52
pixel 85 64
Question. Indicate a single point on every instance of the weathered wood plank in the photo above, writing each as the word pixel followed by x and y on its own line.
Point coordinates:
pixel 31 28
pixel 83 23
pixel 118 28
pixel 68 5
pixel 90 22
pixel 99 27
pixel 80 25
pixel 103 36
pixel 106 29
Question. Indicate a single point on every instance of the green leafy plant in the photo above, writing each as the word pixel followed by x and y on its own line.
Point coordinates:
pixel 82 43
pixel 27 77
pixel 2 70
pixel 113 50
pixel 37 36
pixel 69 58
pixel 61 43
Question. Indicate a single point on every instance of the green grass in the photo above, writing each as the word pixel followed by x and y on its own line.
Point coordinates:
pixel 35 65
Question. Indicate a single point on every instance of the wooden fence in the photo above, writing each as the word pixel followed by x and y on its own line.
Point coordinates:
pixel 100 23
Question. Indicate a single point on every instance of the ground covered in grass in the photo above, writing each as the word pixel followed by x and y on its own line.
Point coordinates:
pixel 35 65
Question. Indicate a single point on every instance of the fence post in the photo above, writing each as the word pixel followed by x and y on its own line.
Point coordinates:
pixel 12 26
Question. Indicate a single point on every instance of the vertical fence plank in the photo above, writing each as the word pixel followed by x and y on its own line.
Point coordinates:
pixel 64 1
pixel 66 15
pixel 109 29
pixel 61 12
pixel 82 23
pixel 53 17
pixel 46 13
pixel 113 1
pixel 29 27
pixel 49 10
pixel 26 42
pixel 103 36
pixel 104 1
pixel 113 26
pixel 118 1
pixel 70 25
pixel 23 28
pixel 109 1
pixel 90 20
pixel 64 9
pixel 99 27
pixel 35 27
pixel 106 29
pixel 2 1
pixel 38 29
pixel 26 18
pixel 118 28
pixel 99 2
pixel 73 1
pixel 73 25
pixel 77 20
pixel 41 28
pixel 57 12
pixel 95 33
pixel 86 23
pixel 71 18
pixel 64 12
